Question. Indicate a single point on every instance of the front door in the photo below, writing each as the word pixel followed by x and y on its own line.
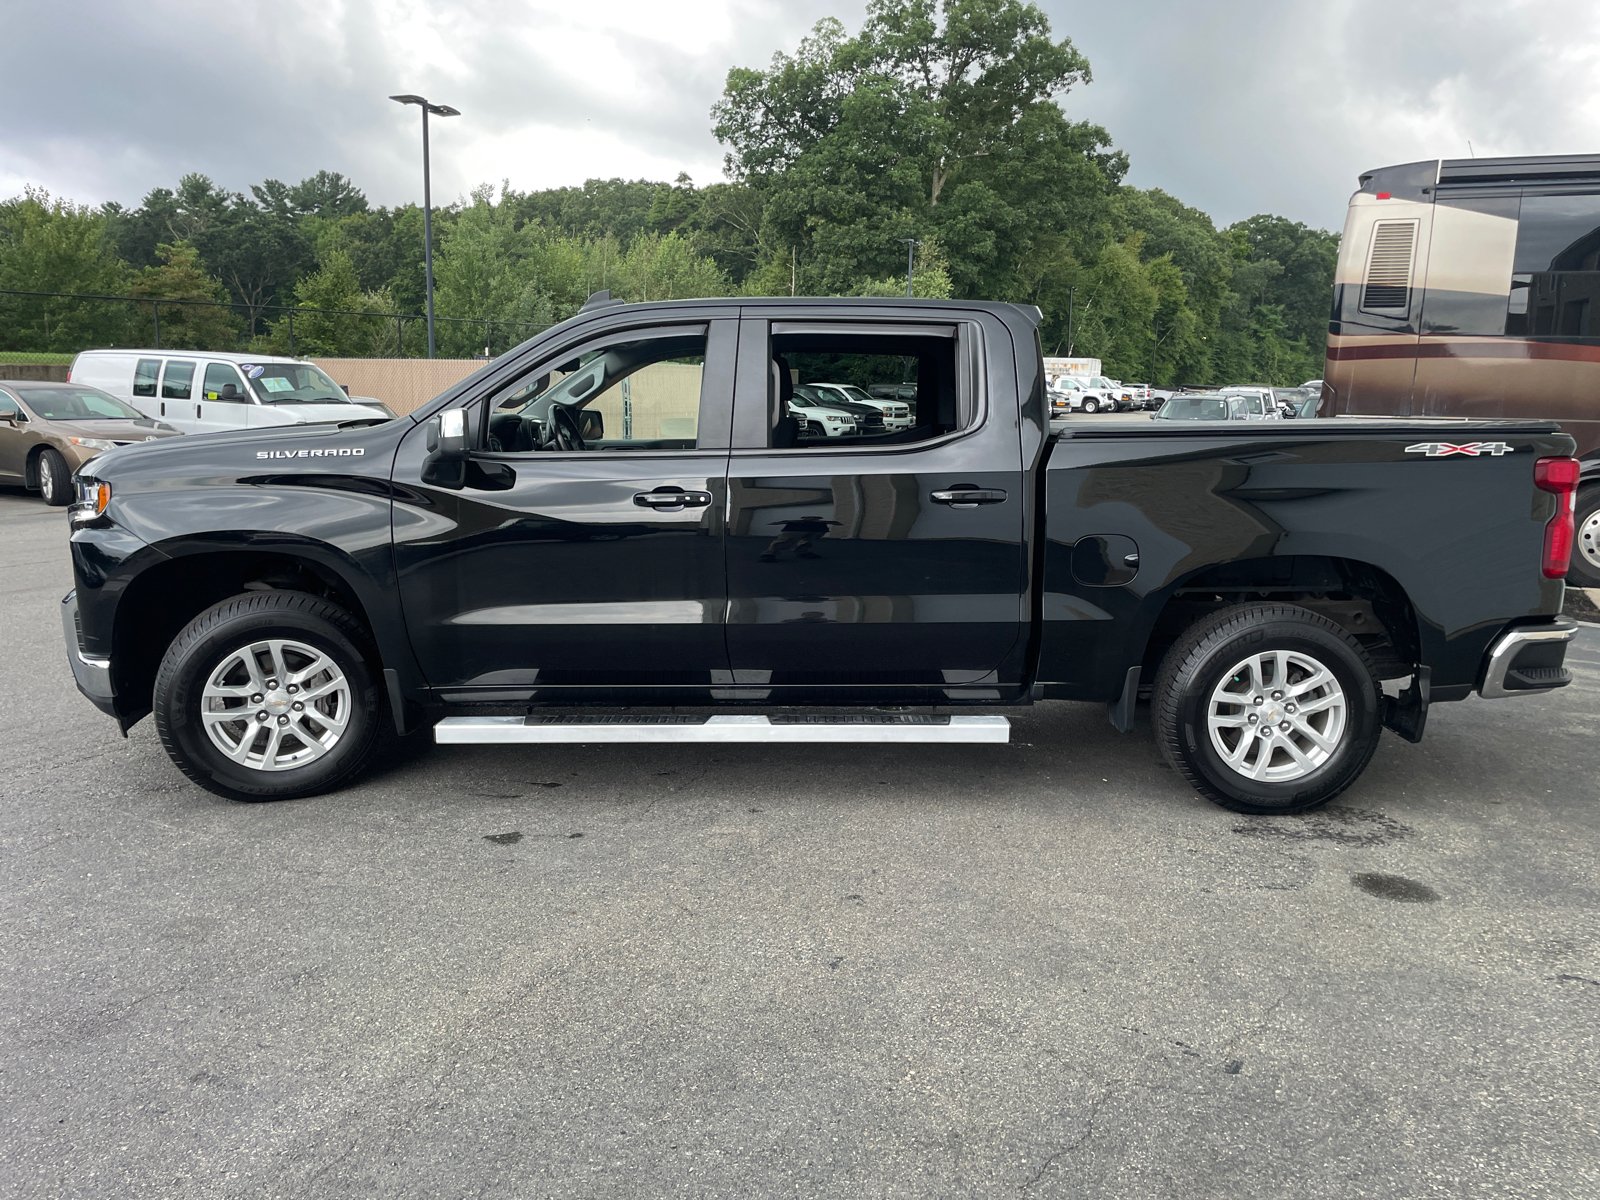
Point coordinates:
pixel 583 556
pixel 885 565
pixel 14 440
pixel 224 399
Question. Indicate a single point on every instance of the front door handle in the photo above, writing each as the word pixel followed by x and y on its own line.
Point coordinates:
pixel 671 499
pixel 969 497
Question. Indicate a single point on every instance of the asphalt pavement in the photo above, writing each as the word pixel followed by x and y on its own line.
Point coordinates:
pixel 1046 969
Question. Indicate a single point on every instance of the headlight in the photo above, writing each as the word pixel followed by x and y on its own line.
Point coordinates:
pixel 93 496
pixel 93 443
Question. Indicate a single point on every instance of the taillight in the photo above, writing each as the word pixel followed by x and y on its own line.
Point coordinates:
pixel 1560 476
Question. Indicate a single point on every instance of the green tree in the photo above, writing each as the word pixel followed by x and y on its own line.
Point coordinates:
pixel 191 326
pixel 934 120
pixel 334 317
pixel 53 245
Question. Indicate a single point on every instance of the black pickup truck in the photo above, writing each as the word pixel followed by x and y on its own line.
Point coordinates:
pixel 620 532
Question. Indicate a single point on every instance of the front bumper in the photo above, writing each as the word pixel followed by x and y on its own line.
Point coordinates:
pixel 92 673
pixel 1527 660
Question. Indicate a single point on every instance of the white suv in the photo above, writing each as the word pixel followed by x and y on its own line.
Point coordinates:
pixel 201 391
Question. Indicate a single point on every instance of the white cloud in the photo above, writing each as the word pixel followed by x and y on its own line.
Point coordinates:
pixel 1255 106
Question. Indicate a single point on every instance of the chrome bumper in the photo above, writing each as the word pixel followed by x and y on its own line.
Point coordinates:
pixel 1508 670
pixel 93 674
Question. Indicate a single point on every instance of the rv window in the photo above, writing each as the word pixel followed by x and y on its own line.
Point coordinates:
pixel 1557 281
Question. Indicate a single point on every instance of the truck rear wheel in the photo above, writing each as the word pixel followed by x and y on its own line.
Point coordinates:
pixel 268 696
pixel 1585 569
pixel 1267 708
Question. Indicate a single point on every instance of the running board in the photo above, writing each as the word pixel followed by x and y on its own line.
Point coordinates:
pixel 865 727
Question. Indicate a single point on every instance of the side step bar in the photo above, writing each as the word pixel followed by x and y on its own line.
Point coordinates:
pixel 873 727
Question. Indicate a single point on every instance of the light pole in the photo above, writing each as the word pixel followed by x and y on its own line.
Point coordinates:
pixel 438 110
pixel 1072 293
pixel 911 251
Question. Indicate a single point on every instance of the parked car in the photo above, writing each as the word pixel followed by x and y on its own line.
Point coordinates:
pixel 1142 395
pixel 1092 395
pixel 818 419
pixel 1260 403
pixel 274 596
pixel 1203 406
pixel 1292 401
pixel 897 414
pixel 200 391
pixel 49 430
pixel 868 417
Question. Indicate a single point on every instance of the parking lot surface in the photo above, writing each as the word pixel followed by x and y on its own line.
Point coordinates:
pixel 1046 969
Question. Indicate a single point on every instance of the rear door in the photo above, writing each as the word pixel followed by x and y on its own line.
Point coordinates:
pixel 888 567
pixel 178 389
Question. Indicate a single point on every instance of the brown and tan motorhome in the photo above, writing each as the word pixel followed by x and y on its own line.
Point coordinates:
pixel 1471 288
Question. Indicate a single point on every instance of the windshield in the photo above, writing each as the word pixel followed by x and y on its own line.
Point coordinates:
pixel 292 383
pixel 78 404
pixel 1194 408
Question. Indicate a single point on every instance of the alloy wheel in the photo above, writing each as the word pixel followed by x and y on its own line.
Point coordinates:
pixel 1277 716
pixel 275 704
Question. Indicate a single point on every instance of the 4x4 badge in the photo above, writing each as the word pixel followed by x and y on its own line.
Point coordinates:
pixel 1470 449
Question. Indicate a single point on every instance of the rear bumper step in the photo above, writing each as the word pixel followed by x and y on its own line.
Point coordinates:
pixel 675 728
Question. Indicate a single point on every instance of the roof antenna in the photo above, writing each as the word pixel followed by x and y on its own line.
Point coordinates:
pixel 1470 150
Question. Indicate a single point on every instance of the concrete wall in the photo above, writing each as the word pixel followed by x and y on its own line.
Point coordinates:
pixel 55 372
pixel 404 384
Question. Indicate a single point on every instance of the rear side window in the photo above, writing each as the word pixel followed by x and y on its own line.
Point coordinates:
pixel 145 375
pixel 220 376
pixel 824 376
pixel 178 381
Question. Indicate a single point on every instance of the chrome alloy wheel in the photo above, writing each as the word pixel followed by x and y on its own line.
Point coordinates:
pixel 47 476
pixel 1277 716
pixel 275 705
pixel 1589 540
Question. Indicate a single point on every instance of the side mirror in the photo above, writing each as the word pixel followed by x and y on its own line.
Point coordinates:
pixel 446 463
pixel 9 416
pixel 345 387
pixel 591 424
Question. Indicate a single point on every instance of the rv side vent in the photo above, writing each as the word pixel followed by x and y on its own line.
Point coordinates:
pixel 1388 286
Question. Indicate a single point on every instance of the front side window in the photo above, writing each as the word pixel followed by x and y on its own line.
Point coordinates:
pixel 7 404
pixel 636 391
pixel 177 381
pixel 145 375
pixel 219 378
pixel 836 387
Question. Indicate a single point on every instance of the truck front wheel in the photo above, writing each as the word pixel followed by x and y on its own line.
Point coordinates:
pixel 268 696
pixel 1091 405
pixel 1267 709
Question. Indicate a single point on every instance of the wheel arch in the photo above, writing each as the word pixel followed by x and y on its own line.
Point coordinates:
pixel 161 600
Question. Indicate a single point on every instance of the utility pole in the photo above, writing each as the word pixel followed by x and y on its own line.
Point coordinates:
pixel 1071 294
pixel 911 252
pixel 438 110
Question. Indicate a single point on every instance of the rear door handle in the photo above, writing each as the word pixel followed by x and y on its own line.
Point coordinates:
pixel 671 498
pixel 970 497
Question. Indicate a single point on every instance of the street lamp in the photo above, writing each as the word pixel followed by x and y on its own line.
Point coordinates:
pixel 438 110
pixel 911 250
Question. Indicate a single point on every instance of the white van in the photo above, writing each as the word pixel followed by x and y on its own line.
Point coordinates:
pixel 202 391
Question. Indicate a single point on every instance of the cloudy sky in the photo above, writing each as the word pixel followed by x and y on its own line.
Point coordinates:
pixel 1238 107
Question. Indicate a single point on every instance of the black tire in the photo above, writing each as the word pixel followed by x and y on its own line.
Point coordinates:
pixel 1091 406
pixel 222 631
pixel 55 479
pixel 1585 569
pixel 1202 660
